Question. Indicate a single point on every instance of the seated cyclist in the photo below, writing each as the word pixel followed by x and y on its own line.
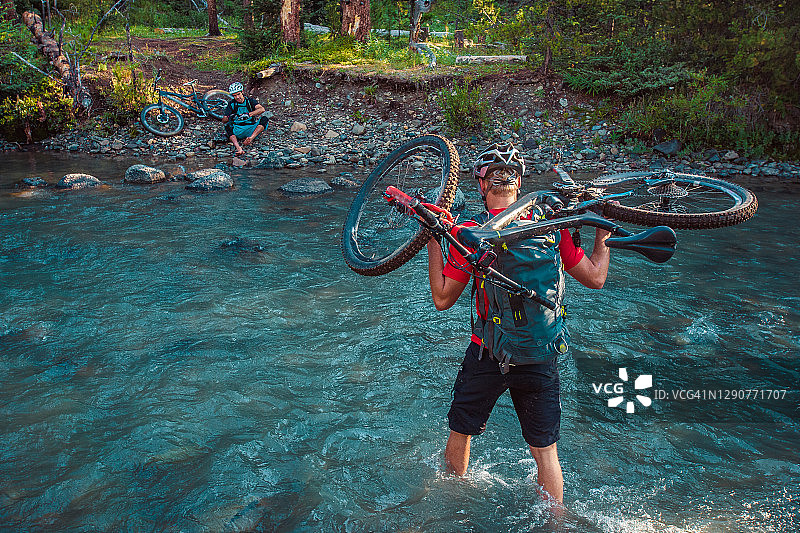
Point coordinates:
pixel 241 118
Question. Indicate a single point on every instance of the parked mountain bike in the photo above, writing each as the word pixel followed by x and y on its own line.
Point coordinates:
pixel 166 121
pixel 419 180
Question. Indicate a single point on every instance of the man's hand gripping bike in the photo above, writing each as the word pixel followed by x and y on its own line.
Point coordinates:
pixel 380 236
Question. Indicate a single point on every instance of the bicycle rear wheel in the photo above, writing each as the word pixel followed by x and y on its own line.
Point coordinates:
pixel 379 238
pixel 216 100
pixel 162 120
pixel 680 201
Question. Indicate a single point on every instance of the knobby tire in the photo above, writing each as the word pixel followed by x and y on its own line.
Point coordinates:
pixel 744 205
pixel 167 111
pixel 216 100
pixel 376 183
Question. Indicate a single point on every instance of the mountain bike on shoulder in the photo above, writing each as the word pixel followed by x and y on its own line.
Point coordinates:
pixel 386 226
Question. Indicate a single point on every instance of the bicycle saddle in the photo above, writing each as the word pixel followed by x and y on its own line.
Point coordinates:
pixel 190 83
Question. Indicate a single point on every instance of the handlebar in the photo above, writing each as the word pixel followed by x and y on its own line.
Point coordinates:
pixel 657 244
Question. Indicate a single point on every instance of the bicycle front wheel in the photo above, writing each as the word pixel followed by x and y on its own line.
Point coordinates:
pixel 216 100
pixel 379 238
pixel 162 120
pixel 680 201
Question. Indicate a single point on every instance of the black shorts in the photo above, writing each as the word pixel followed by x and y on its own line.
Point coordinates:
pixel 535 391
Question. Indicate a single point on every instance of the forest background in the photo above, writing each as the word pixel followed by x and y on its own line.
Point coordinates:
pixel 711 73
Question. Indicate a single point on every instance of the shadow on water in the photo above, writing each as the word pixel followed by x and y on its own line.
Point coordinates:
pixel 206 362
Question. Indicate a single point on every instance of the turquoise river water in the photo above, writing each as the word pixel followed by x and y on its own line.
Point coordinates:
pixel 206 362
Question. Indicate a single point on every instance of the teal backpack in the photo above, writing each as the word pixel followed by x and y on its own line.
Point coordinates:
pixel 517 330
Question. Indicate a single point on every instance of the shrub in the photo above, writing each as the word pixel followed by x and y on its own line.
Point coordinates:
pixel 127 94
pixel 463 108
pixel 36 114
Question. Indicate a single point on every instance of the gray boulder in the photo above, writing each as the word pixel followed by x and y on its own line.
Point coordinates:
pixel 209 179
pixel 78 181
pixel 668 147
pixel 305 186
pixel 144 174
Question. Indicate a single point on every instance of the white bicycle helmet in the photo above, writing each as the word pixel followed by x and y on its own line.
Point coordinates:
pixel 235 87
pixel 498 156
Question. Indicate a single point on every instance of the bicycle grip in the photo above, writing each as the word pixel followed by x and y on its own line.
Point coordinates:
pixel 400 196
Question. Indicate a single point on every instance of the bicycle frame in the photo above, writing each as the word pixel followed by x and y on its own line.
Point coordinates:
pixel 657 244
pixel 179 98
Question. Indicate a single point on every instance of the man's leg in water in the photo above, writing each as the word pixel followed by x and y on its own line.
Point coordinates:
pixel 456 454
pixel 550 477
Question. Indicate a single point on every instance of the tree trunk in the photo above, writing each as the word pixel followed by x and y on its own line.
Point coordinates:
pixel 248 14
pixel 50 49
pixel 213 24
pixel 290 21
pixel 356 19
pixel 8 10
pixel 550 33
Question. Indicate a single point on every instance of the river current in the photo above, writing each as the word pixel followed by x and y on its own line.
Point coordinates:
pixel 172 361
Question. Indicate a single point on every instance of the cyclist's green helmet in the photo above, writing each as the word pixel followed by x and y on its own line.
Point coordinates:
pixel 235 87
pixel 497 156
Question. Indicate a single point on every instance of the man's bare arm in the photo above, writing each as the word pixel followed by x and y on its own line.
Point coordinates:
pixel 592 271
pixel 444 291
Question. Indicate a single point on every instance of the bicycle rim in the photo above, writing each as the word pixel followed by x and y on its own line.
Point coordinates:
pixel 162 120
pixel 680 201
pixel 216 100
pixel 378 238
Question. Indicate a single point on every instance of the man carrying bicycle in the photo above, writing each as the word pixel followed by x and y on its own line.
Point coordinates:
pixel 241 118
pixel 534 388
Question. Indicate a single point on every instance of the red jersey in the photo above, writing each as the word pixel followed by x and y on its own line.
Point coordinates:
pixel 571 255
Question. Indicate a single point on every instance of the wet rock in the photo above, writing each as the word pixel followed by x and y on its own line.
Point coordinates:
pixel 343 182
pixel 144 174
pixel 305 186
pixel 78 181
pixel 174 171
pixel 238 163
pixel 272 160
pixel 668 147
pixel 209 179
pixel 36 181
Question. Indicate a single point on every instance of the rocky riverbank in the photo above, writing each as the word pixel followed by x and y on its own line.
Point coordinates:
pixel 311 131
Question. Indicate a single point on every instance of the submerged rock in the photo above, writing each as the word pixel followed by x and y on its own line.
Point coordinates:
pixel 174 171
pixel 305 186
pixel 243 245
pixel 78 181
pixel 36 181
pixel 343 182
pixel 209 179
pixel 144 174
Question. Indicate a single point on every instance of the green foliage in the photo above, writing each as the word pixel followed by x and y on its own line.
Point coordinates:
pixel 709 111
pixel 516 125
pixel 15 76
pixel 463 108
pixel 41 111
pixel 127 94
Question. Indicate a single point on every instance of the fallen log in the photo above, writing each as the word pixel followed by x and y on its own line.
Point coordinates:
pixel 275 68
pixel 48 46
pixel 70 76
pixel 475 60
